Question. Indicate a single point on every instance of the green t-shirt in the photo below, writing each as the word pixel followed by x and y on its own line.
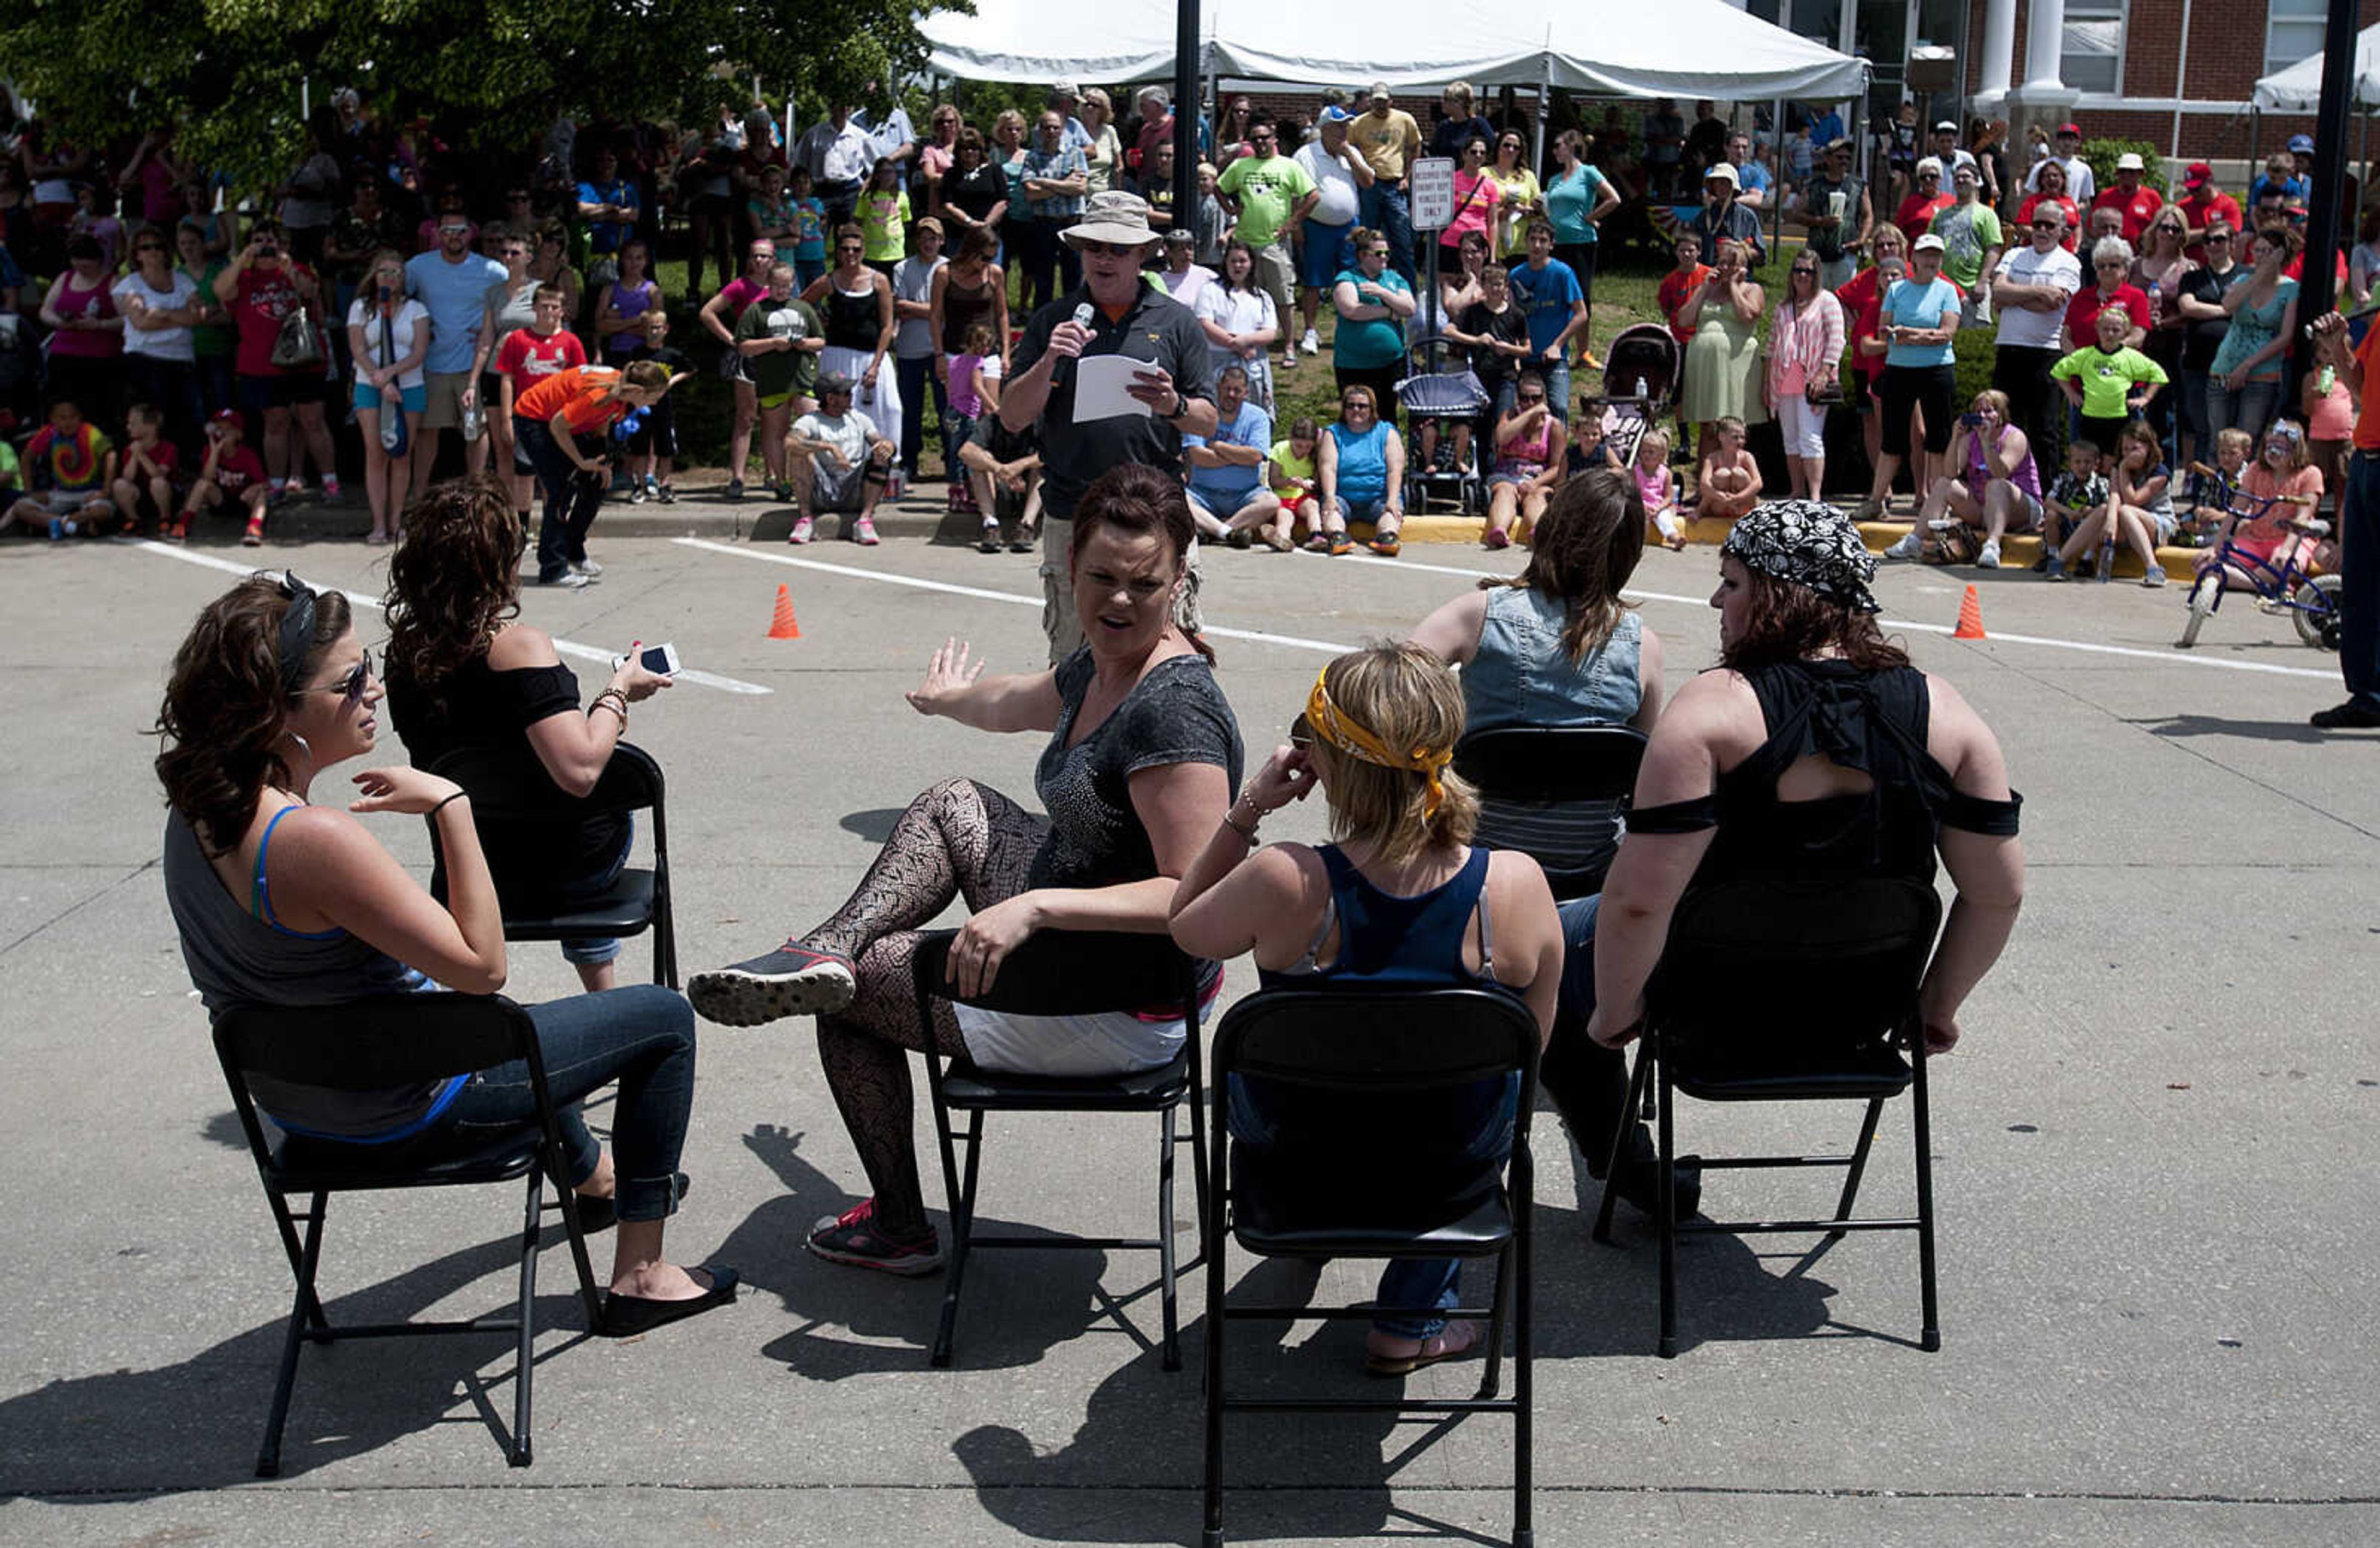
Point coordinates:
pixel 1267 190
pixel 779 372
pixel 10 477
pixel 1967 231
pixel 2108 379
pixel 884 225
pixel 211 339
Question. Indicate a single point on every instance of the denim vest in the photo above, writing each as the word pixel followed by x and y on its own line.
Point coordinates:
pixel 1521 676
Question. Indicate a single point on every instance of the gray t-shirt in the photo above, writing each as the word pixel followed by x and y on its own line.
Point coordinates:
pixel 1175 714
pixel 913 280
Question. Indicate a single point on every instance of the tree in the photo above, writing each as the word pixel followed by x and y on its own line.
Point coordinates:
pixel 485 73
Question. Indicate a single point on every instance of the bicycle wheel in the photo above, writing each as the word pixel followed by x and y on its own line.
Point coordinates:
pixel 2205 595
pixel 2317 616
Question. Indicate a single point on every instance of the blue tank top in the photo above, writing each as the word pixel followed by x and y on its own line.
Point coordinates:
pixel 1520 675
pixel 1386 941
pixel 1363 461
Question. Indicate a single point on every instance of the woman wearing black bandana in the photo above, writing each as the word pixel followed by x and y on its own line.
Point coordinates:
pixel 1815 749
pixel 281 902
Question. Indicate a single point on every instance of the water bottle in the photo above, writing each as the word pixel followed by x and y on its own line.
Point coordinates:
pixel 1643 388
pixel 475 421
pixel 2107 556
pixel 2326 380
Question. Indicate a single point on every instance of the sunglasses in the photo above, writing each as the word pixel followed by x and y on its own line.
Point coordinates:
pixel 1532 397
pixel 1799 269
pixel 1108 249
pixel 1301 734
pixel 349 688
pixel 2049 226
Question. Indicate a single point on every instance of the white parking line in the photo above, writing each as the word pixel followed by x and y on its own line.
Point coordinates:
pixel 954 589
pixel 356 599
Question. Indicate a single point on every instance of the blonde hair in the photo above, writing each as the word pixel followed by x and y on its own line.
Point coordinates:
pixel 2236 440
pixel 2291 430
pixel 1997 399
pixel 1406 697
pixel 1654 436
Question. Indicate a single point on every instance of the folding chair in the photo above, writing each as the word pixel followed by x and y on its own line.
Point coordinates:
pixel 365 1045
pixel 1774 990
pixel 1553 776
pixel 1369 1185
pixel 511 791
pixel 1059 973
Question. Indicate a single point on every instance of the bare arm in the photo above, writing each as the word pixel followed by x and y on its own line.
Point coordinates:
pixel 1452 632
pixel 956 689
pixel 333 872
pixel 1987 871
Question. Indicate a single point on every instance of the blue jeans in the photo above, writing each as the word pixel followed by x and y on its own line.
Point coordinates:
pixel 571 500
pixel 2250 408
pixel 1586 1081
pixel 642 1037
pixel 1556 387
pixel 1384 210
pixel 1486 1115
pixel 2359 534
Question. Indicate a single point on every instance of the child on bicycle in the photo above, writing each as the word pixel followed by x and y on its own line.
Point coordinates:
pixel 2233 447
pixel 2075 494
pixel 2283 489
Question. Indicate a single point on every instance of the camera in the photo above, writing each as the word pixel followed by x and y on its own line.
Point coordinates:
pixel 268 249
pixel 1972 421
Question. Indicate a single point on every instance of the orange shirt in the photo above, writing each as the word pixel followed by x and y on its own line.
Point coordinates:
pixel 578 394
pixel 2367 416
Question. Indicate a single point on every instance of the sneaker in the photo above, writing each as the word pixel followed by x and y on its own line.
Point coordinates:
pixel 804 530
pixel 863 532
pixel 1277 542
pixel 254 536
pixel 782 491
pixel 1340 544
pixel 791 980
pixel 665 493
pixel 2153 576
pixel 2053 567
pixel 1318 542
pixel 2353 715
pixel 735 489
pixel 587 567
pixel 853 1238
pixel 1239 536
pixel 651 483
pixel 1867 510
pixel 569 580
pixel 1311 343
pixel 639 495
pixel 176 531
pixel 1988 557
pixel 1905 549
pixel 330 486
pixel 990 542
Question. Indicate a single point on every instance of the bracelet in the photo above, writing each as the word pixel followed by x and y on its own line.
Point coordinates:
pixel 1249 833
pixel 614 700
pixel 458 795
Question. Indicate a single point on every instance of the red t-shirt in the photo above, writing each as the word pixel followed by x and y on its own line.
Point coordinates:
pixel 1675 288
pixel 263 299
pixel 237 469
pixel 2200 208
pixel 2138 208
pixel 2367 416
pixel 1862 297
pixel 160 451
pixel 578 394
pixel 1917 213
pixel 2032 202
pixel 529 359
pixel 2296 271
pixel 2082 312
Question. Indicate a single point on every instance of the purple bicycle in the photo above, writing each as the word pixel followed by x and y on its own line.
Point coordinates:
pixel 2311 600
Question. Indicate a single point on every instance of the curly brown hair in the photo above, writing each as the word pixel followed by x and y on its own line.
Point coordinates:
pixel 1582 550
pixel 1787 622
pixel 454 579
pixel 226 704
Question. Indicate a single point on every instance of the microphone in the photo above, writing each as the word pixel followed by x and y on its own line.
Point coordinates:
pixel 1082 314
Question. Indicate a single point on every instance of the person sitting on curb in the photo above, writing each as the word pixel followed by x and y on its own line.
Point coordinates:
pixel 232 474
pixel 1228 497
pixel 839 463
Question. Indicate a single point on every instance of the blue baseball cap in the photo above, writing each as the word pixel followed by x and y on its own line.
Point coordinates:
pixel 2300 145
pixel 1333 113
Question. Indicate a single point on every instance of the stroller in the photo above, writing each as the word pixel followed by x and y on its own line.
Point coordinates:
pixel 1449 396
pixel 1640 383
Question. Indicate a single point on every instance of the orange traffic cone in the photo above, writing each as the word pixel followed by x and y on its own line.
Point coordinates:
pixel 784 627
pixel 1971 618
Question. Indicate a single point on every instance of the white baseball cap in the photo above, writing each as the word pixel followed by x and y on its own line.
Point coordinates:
pixel 1929 242
pixel 2128 161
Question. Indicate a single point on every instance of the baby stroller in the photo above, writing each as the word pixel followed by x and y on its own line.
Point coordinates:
pixel 1640 383
pixel 1449 397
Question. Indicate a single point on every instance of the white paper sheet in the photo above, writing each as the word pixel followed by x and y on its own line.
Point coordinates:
pixel 1100 387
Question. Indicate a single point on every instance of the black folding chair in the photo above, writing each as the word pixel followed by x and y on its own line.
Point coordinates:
pixel 511 791
pixel 1370 1184
pixel 1061 972
pixel 1549 774
pixel 395 1041
pixel 1773 990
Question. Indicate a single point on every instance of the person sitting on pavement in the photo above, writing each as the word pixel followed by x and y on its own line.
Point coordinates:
pixel 279 901
pixel 1556 645
pixel 839 463
pixel 229 475
pixel 1996 488
pixel 72 467
pixel 2138 515
pixel 464 672
pixel 1531 450
pixel 1142 762
pixel 1229 499
pixel 1360 464
pixel 1815 750
pixel 1402 899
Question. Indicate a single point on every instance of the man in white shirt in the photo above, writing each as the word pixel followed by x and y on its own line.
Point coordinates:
pixel 1340 174
pixel 2079 186
pixel 2030 290
pixel 839 155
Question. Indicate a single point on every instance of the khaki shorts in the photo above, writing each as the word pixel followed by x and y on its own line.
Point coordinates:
pixel 1059 622
pixel 1275 275
pixel 444 411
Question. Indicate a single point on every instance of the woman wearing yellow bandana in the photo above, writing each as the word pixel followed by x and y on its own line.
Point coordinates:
pixel 1401 898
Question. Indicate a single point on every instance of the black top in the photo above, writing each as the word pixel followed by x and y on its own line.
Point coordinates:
pixel 852 321
pixel 976 192
pixel 1175 714
pixel 2206 336
pixel 1158 329
pixel 1874 721
pixel 1509 326
pixel 480 707
pixel 962 308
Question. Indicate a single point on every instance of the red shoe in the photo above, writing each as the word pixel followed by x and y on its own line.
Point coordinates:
pixel 854 1238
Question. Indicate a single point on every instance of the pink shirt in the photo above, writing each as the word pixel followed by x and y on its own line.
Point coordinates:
pixel 1805 346
pixel 93 304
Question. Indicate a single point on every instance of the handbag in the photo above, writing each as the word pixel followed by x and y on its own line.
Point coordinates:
pixel 298 346
pixel 394 438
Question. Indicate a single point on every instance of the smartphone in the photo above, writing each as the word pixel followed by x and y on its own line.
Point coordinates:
pixel 659 660
pixel 1972 421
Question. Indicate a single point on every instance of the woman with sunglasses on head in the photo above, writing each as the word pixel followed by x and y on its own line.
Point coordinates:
pixel 1521 198
pixel 2161 271
pixel 1401 898
pixel 282 901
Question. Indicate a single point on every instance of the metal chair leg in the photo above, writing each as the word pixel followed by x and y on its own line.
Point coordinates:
pixel 1524 1185
pixel 1212 1534
pixel 1858 1164
pixel 1492 1372
pixel 304 1310
pixel 1666 1186
pixel 962 1228
pixel 1921 1115
pixel 1611 1163
pixel 1170 1358
pixel 520 1456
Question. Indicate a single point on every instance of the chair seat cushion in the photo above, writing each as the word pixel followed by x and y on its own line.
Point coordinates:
pixel 306 1164
pixel 1743 1072
pixel 625 908
pixel 1285 1204
pixel 964 1085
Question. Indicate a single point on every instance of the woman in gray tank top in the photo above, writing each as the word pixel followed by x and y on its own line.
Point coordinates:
pixel 280 901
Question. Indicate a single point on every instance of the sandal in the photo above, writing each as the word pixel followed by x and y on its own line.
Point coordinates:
pixel 1459 1337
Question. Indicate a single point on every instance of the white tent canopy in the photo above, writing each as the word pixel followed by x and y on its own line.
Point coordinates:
pixel 1629 49
pixel 2298 88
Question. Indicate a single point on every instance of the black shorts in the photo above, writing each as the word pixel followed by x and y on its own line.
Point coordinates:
pixel 258 393
pixel 1931 388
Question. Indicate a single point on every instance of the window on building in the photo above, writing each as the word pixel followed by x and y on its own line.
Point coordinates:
pixel 2091 56
pixel 2293 31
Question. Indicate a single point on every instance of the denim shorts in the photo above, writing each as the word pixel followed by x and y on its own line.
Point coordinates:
pixel 415 399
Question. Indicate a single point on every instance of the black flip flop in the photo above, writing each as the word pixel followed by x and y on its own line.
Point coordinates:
pixel 625 1316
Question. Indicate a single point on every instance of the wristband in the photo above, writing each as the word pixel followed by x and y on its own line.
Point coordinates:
pixel 1248 834
pixel 458 795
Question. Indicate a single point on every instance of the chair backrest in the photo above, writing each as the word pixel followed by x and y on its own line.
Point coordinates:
pixel 1071 973
pixel 365 1045
pixel 1828 962
pixel 1540 764
pixel 510 785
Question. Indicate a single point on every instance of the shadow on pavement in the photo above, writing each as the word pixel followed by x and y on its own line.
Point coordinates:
pixel 2249 731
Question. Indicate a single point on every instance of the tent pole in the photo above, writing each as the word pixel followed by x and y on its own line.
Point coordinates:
pixel 1776 175
pixel 1545 107
pixel 1185 115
